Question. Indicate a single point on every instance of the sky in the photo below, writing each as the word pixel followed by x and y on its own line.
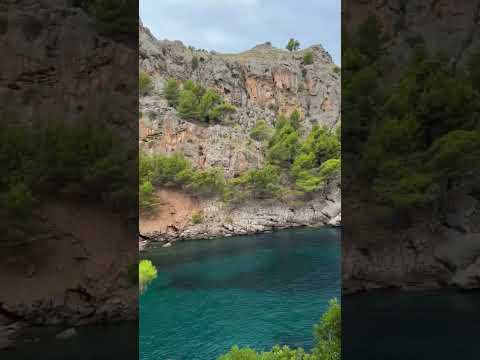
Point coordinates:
pixel 231 26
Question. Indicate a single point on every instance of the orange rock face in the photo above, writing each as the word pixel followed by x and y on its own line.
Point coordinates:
pixel 260 91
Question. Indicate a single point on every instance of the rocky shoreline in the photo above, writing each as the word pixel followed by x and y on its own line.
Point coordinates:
pixel 218 220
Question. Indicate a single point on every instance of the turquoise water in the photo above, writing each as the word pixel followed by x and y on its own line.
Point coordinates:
pixel 254 291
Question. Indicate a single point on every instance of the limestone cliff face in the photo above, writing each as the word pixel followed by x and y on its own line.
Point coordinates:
pixel 436 251
pixel 54 64
pixel 451 26
pixel 261 83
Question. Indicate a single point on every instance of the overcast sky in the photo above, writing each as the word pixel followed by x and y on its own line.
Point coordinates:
pixel 238 25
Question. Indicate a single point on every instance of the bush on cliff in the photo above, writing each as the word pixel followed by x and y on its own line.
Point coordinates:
pixel 261 131
pixel 171 91
pixel 263 183
pixel 317 160
pixel 194 102
pixel 84 160
pixel 293 45
pixel 422 132
pixel 145 83
pixel 175 170
pixel 283 146
pixel 308 58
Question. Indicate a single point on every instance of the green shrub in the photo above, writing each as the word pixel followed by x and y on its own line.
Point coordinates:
pixel 309 181
pixel 171 92
pixel 219 111
pixel 197 218
pixel 145 84
pixel 263 183
pixel 194 102
pixel 197 89
pixel 194 63
pixel 206 183
pixel 327 343
pixel 145 197
pixel 308 58
pixel 207 102
pixel 293 45
pixel 187 104
pixel 147 272
pixel 295 119
pixel 283 146
pixel 328 333
pixel 261 131
pixel 329 168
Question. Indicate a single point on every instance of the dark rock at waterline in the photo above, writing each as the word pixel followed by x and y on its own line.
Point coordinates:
pixel 66 334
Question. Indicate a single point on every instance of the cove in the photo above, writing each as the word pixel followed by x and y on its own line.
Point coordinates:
pixel 254 291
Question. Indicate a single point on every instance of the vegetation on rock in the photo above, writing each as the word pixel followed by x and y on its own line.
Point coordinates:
pixel 293 45
pixel 327 343
pixel 308 58
pixel 145 83
pixel 261 131
pixel 194 102
pixel 304 165
pixel 425 130
pixel 85 160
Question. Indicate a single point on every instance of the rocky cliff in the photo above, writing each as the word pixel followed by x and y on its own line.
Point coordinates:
pixel 55 65
pixel 436 250
pixel 261 83
pixel 451 26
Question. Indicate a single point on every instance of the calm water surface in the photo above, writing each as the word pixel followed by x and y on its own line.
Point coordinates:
pixel 115 341
pixel 254 291
pixel 394 325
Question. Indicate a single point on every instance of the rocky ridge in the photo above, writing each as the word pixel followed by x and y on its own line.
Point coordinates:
pixel 260 83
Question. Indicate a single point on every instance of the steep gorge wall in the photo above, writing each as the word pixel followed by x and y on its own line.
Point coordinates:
pixel 434 252
pixel 260 83
pixel 55 66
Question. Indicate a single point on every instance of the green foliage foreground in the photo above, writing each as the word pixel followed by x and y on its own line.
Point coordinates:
pixel 327 342
pixel 147 272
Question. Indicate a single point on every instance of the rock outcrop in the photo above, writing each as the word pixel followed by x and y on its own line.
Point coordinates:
pixel 451 26
pixel 261 83
pixel 220 219
pixel 55 65
pixel 436 250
